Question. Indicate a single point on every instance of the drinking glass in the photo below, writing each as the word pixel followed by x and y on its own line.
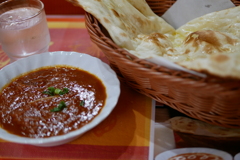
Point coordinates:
pixel 23 28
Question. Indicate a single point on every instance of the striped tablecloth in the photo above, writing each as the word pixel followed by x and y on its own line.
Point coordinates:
pixel 125 134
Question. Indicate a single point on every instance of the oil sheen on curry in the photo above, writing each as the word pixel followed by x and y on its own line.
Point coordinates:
pixel 50 101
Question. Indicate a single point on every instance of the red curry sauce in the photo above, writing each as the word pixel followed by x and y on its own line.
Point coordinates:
pixel 26 111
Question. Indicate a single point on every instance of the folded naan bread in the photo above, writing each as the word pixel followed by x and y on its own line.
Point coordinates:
pixel 211 43
pixel 197 127
pixel 210 51
pixel 208 44
pixel 125 20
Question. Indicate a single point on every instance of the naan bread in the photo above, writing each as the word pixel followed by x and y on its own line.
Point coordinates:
pixel 211 51
pixel 125 20
pixel 207 44
pixel 211 43
pixel 226 21
pixel 196 127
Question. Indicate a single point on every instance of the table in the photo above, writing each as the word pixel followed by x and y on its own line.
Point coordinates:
pixel 126 134
pixel 132 131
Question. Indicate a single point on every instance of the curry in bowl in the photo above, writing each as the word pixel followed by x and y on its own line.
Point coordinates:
pixel 50 101
pixel 53 98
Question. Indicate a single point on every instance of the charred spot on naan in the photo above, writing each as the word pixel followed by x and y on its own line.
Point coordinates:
pixel 196 38
pixel 115 13
pixel 106 20
pixel 211 40
pixel 141 21
pixel 123 34
pixel 155 37
pixel 220 58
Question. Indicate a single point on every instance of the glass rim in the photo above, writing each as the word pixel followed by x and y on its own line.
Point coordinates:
pixel 41 9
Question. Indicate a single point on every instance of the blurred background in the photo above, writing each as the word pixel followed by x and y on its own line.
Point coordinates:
pixel 60 7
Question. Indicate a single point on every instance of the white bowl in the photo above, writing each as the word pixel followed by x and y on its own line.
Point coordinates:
pixel 80 60
pixel 174 152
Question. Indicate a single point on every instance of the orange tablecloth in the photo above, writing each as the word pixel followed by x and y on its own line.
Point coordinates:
pixel 125 134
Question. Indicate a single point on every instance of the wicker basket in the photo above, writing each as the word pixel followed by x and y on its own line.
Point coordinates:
pixel 212 100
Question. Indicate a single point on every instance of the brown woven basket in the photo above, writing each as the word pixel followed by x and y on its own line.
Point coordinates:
pixel 212 100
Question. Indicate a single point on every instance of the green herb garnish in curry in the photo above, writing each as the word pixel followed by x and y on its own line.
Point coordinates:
pixel 82 103
pixel 60 107
pixel 55 91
